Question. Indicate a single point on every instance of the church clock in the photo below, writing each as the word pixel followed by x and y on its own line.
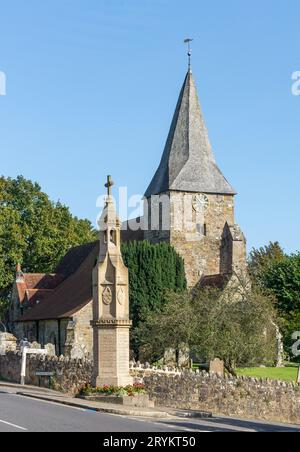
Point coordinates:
pixel 200 203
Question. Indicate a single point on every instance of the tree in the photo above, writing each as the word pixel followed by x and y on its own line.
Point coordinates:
pixel 34 231
pixel 240 332
pixel 290 325
pixel 153 270
pixel 283 280
pixel 261 259
pixel 279 274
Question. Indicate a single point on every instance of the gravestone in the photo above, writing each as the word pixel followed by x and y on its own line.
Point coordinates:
pixel 8 343
pixel 216 367
pixel 50 349
pixel 35 345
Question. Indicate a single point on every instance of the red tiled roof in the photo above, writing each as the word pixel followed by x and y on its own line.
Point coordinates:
pixel 42 280
pixel 36 286
pixel 70 288
pixel 21 288
pixel 70 296
pixel 218 281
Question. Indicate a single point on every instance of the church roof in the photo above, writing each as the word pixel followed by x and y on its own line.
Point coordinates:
pixel 188 163
pixel 218 281
pixel 67 291
pixel 74 292
pixel 33 287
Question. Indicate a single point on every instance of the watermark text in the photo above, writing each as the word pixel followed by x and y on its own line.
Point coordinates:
pixel 296 83
pixel 2 84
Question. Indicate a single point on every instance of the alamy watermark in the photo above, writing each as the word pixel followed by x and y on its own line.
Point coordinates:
pixel 184 211
pixel 296 83
pixel 296 345
pixel 2 83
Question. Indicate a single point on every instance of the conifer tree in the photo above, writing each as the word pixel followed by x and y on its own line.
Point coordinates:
pixel 154 270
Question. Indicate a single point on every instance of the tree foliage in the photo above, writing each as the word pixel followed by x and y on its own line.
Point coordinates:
pixel 283 279
pixel 260 260
pixel 34 231
pixel 239 331
pixel 153 270
pixel 278 274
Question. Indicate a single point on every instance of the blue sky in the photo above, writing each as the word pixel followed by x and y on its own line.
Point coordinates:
pixel 92 86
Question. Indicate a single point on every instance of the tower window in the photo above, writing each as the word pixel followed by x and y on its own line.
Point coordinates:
pixel 202 229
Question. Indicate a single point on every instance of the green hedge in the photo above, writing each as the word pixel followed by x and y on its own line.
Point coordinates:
pixel 153 270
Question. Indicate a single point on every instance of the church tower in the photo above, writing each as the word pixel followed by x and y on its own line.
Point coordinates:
pixel 189 203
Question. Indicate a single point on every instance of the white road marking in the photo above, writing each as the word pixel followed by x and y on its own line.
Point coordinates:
pixel 13 425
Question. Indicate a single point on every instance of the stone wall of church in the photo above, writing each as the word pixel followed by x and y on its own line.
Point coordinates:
pixel 80 333
pixel 197 236
pixel 200 236
pixel 156 220
pixel 72 337
pixel 26 330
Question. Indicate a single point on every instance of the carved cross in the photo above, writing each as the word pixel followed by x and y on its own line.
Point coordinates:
pixel 109 185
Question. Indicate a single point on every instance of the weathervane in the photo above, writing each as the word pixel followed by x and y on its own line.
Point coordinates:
pixel 188 42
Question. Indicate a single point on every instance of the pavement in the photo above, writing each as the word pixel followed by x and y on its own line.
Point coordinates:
pixel 42 410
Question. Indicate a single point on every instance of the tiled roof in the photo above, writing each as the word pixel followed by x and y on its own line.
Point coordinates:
pixel 74 258
pixel 217 281
pixel 42 280
pixel 188 163
pixel 72 294
pixel 68 290
pixel 34 287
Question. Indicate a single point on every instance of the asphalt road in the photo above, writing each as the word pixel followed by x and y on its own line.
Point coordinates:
pixel 20 414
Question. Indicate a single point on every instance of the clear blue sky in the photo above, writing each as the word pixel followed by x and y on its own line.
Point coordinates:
pixel 92 86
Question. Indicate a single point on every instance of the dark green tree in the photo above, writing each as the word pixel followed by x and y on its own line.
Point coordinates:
pixel 34 231
pixel 153 271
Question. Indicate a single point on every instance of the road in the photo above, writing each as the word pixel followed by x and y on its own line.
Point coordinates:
pixel 20 414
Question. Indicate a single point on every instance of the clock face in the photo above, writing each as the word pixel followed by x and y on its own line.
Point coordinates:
pixel 200 203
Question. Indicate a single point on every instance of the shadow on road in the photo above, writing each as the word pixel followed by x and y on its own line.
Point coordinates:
pixel 232 425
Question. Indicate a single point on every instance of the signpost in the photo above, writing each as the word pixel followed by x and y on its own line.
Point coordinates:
pixel 29 351
pixel 48 375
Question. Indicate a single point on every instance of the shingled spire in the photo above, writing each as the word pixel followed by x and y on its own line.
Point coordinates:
pixel 188 163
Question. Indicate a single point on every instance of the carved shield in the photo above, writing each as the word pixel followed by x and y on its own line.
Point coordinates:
pixel 121 296
pixel 107 296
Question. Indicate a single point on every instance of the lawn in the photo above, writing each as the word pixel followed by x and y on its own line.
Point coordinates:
pixel 288 373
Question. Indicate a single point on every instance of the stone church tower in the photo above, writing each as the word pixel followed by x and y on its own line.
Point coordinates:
pixel 189 203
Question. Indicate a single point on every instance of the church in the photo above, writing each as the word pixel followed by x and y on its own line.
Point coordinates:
pixel 188 204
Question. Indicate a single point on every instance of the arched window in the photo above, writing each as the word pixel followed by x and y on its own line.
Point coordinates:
pixel 113 236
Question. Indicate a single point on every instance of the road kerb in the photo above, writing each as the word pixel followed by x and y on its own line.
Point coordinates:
pixel 100 409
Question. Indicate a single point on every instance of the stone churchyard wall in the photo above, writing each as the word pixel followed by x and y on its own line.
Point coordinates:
pixel 244 397
pixel 69 375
